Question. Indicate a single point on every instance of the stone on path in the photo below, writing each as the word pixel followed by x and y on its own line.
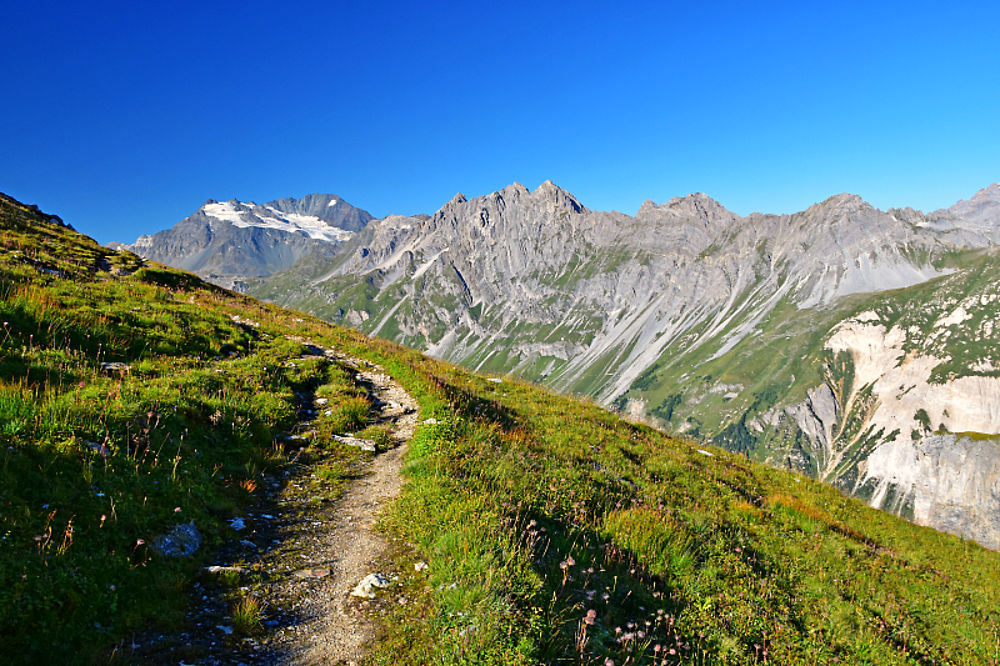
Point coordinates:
pixel 363 444
pixel 366 588
pixel 181 541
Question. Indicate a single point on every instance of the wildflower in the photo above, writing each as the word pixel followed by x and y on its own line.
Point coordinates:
pixel 591 617
pixel 609 662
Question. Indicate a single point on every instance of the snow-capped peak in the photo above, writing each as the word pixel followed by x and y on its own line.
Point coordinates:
pixel 266 217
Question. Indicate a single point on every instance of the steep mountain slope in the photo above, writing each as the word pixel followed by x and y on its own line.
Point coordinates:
pixel 548 530
pixel 230 241
pixel 686 314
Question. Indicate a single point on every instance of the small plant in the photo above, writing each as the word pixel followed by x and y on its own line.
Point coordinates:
pixel 248 615
pixel 350 415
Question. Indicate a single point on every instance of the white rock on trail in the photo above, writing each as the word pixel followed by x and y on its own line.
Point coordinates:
pixel 366 588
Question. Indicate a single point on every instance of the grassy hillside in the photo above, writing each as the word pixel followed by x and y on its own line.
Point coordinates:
pixel 559 533
pixel 132 399
pixel 555 531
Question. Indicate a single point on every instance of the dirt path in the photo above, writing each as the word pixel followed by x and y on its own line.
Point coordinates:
pixel 332 628
pixel 300 554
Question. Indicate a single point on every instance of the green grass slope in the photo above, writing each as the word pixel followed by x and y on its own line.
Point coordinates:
pixel 555 532
pixel 132 398
pixel 559 533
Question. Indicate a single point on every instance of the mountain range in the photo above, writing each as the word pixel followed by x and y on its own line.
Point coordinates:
pixel 849 343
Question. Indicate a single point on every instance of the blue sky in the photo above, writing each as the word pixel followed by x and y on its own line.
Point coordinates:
pixel 124 117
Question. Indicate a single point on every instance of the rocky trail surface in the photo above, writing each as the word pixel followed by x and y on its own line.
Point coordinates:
pixel 300 556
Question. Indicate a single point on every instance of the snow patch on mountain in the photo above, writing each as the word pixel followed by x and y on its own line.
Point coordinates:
pixel 227 211
pixel 250 215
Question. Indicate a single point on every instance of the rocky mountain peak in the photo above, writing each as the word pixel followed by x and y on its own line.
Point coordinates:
pixel 515 190
pixel 841 206
pixel 991 192
pixel 844 200
pixel 245 239
pixel 697 206
pixel 980 213
pixel 549 191
pixel 988 197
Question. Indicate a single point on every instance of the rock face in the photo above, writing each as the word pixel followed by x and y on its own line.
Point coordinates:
pixel 971 222
pixel 908 416
pixel 231 242
pixel 949 482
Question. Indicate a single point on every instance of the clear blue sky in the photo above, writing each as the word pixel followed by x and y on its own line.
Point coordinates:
pixel 124 117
